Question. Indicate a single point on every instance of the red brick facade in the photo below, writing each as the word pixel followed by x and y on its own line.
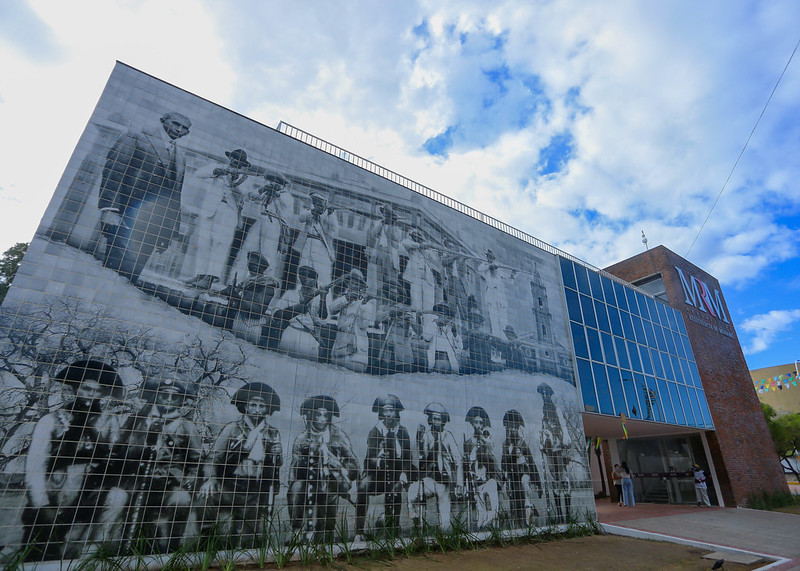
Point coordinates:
pixel 742 450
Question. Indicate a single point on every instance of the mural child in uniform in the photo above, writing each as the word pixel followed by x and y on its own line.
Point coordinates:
pixel 440 467
pixel 480 465
pixel 520 471
pixel 244 463
pixel 67 447
pixel 323 468
pixel 555 453
pixel 387 465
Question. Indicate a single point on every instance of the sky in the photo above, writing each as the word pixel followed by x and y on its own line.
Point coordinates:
pixel 582 123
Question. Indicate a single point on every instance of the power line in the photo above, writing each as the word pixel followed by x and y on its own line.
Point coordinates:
pixel 730 174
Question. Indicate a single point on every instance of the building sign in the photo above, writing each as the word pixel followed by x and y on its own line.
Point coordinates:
pixel 699 295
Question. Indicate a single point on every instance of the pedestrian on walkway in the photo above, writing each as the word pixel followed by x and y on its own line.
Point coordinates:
pixel 616 477
pixel 627 486
pixel 700 487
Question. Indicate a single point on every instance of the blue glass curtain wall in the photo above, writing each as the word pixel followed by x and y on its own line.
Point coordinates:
pixel 633 353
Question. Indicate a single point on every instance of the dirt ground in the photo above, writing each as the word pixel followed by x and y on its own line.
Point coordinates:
pixel 595 552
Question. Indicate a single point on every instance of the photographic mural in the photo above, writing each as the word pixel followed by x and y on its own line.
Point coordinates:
pixel 219 329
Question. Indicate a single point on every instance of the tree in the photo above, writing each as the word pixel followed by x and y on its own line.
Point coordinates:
pixel 785 431
pixel 9 264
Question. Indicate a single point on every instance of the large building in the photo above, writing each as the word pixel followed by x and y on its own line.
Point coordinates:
pixel 223 326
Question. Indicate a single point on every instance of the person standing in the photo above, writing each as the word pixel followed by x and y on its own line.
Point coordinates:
pixel 519 468
pixel 218 217
pixel 494 292
pixel 387 465
pixel 616 477
pixel 244 463
pixel 480 465
pixel 701 486
pixel 323 468
pixel 68 446
pixel 140 194
pixel 440 467
pixel 555 454
pixel 627 486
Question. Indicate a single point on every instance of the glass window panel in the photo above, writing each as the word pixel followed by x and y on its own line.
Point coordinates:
pixel 633 353
pixel 601 385
pixel 670 341
pixel 676 403
pixel 662 313
pixel 696 377
pixel 594 345
pixel 622 353
pixel 587 385
pixel 651 305
pixel 622 301
pixel 617 396
pixel 646 364
pixel 667 362
pixel 664 400
pixel 627 325
pixel 613 319
pixel 567 273
pixel 608 290
pixel 690 408
pixel 582 279
pixel 687 346
pixel 653 408
pixel 676 368
pixel 602 316
pixel 648 333
pixel 573 306
pixel 588 311
pixel 633 307
pixel 629 386
pixel 661 343
pixel 655 358
pixel 681 324
pixel 673 317
pixel 638 329
pixel 579 341
pixel 597 289
pixel 608 348
pixel 644 310
pixel 701 397
pixel 679 349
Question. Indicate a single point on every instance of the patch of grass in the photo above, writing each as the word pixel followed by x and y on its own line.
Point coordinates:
pixel 772 500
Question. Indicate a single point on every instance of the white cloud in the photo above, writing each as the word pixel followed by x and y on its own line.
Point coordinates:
pixel 764 329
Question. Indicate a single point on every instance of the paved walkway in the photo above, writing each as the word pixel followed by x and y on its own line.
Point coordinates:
pixel 770 534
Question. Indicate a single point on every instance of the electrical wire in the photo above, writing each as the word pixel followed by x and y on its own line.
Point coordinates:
pixel 730 174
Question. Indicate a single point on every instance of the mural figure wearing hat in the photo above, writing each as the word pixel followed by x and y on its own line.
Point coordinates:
pixel 252 297
pixel 383 241
pixel 156 464
pixel 522 477
pixel 244 464
pixel 396 352
pixel 263 224
pixel 455 272
pixel 323 468
pixel 387 466
pixel 140 194
pixel 69 448
pixel 353 313
pixel 495 300
pixel 304 308
pixel 423 270
pixel 216 187
pixel 555 454
pixel 480 465
pixel 444 342
pixel 313 245
pixel 440 467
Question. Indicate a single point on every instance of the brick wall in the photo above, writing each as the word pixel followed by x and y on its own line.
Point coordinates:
pixel 742 449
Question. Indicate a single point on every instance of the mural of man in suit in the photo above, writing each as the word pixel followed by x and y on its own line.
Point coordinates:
pixel 140 194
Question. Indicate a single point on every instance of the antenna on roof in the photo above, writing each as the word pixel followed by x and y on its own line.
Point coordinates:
pixel 644 241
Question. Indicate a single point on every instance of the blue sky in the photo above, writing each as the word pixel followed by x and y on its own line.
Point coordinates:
pixel 582 123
